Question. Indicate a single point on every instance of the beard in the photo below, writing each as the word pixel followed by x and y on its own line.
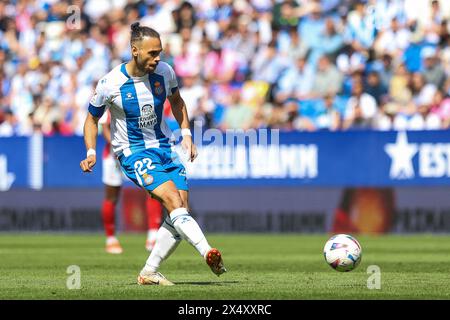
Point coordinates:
pixel 143 66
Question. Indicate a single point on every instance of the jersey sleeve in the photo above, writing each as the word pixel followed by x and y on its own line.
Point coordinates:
pixel 173 83
pixel 99 100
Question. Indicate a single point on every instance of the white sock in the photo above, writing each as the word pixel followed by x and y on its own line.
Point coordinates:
pixel 151 234
pixel 111 239
pixel 167 240
pixel 189 229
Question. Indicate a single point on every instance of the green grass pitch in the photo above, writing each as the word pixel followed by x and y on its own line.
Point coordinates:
pixel 261 266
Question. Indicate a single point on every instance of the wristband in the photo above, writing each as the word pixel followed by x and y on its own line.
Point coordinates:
pixel 186 132
pixel 90 152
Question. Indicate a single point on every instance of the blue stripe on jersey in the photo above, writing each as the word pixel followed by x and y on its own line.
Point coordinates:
pixel 159 97
pixel 132 111
pixel 124 70
pixel 96 111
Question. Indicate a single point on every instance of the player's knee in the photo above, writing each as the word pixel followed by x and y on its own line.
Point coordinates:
pixel 184 199
pixel 172 201
pixel 185 205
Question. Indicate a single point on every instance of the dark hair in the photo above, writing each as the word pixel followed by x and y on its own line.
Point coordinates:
pixel 138 32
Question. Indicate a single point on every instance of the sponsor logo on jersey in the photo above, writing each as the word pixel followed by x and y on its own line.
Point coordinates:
pixel 129 96
pixel 148 117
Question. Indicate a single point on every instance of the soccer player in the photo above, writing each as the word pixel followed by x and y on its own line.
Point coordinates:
pixel 112 179
pixel 135 92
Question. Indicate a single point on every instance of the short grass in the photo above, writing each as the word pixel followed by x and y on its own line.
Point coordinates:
pixel 261 266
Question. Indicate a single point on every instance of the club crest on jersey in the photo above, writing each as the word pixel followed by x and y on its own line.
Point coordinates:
pixel 148 179
pixel 158 88
pixel 148 117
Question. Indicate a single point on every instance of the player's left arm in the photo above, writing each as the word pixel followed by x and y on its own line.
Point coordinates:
pixel 180 113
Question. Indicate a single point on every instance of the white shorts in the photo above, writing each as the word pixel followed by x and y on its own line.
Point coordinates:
pixel 112 174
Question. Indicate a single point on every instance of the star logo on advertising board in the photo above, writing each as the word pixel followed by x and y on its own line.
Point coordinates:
pixel 402 154
pixel 6 178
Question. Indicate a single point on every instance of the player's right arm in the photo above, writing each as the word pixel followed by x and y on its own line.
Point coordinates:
pixel 90 140
pixel 96 109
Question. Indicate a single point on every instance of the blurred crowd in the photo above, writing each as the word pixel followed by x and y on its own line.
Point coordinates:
pixel 292 65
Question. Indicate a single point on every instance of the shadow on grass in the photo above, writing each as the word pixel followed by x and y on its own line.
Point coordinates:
pixel 195 283
pixel 207 283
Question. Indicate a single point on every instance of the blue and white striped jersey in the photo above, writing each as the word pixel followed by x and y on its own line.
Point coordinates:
pixel 136 106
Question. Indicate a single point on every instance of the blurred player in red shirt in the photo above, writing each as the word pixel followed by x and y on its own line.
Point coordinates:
pixel 112 179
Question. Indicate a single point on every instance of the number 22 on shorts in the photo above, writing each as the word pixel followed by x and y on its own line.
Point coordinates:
pixel 140 169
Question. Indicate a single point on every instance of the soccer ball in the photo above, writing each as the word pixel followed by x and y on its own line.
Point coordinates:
pixel 342 252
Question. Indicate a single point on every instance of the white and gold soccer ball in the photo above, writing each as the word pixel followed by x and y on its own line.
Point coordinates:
pixel 342 252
